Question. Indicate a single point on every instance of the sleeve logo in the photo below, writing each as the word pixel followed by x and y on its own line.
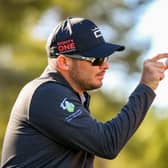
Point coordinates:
pixel 66 105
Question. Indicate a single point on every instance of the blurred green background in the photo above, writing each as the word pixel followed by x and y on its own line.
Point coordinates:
pixel 24 27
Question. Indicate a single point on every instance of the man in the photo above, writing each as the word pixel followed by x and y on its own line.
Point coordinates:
pixel 51 126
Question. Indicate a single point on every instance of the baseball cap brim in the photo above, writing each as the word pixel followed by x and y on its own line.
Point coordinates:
pixel 103 50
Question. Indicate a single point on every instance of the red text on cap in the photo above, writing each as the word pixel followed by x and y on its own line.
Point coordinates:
pixel 67 45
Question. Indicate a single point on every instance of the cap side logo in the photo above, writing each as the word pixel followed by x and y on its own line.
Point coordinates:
pixel 97 32
pixel 66 46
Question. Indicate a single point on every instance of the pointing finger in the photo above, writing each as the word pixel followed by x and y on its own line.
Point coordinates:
pixel 160 56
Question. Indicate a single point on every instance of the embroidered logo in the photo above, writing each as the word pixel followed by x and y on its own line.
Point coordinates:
pixel 66 46
pixel 97 32
pixel 66 105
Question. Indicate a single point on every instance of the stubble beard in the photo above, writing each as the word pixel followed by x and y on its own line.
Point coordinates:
pixel 81 81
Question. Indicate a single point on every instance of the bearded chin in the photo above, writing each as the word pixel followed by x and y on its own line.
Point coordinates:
pixel 89 87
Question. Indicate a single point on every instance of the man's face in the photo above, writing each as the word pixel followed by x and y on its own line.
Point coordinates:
pixel 84 76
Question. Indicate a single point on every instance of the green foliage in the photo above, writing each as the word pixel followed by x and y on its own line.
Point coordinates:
pixel 14 13
pixel 102 107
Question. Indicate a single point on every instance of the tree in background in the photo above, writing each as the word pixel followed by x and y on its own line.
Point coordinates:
pixel 23 57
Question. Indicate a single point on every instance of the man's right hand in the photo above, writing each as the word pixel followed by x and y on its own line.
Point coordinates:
pixel 153 71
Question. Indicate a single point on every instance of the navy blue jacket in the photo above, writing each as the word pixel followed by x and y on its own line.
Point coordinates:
pixel 50 127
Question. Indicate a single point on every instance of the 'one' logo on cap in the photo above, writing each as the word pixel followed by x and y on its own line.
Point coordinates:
pixel 97 32
pixel 66 46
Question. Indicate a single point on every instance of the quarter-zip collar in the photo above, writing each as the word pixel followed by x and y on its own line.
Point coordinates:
pixel 55 76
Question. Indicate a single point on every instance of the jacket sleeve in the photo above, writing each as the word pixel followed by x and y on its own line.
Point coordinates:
pixel 57 113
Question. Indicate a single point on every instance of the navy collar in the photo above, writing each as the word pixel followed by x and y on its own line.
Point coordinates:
pixel 57 77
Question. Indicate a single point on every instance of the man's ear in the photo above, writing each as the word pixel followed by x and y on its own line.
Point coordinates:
pixel 63 62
